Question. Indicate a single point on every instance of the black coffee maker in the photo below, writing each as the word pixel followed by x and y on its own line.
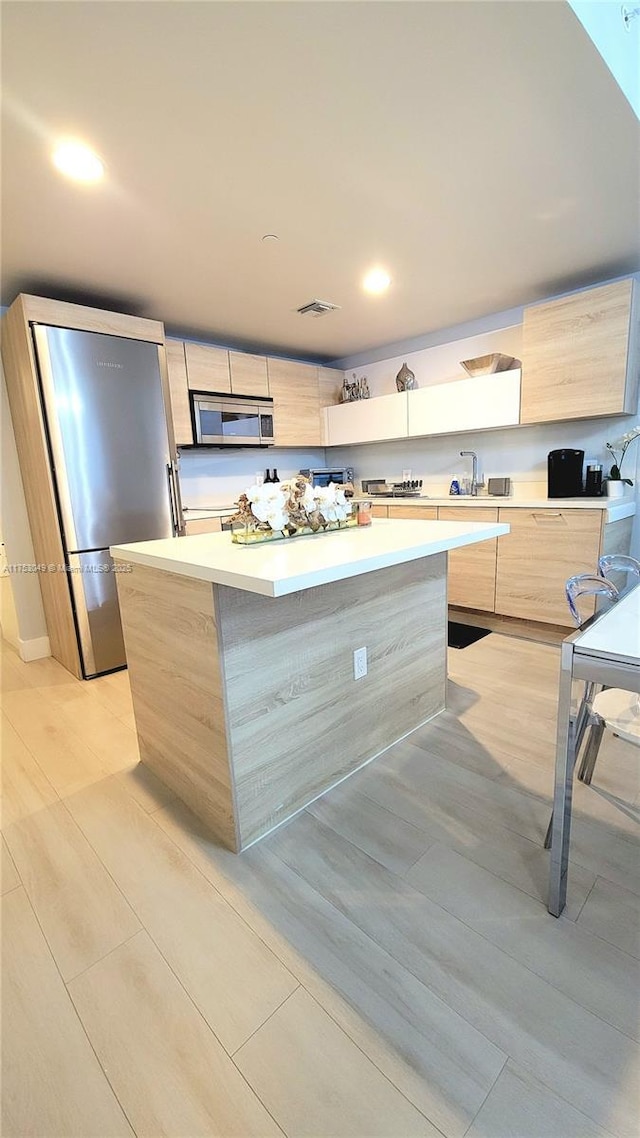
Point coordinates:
pixel 564 473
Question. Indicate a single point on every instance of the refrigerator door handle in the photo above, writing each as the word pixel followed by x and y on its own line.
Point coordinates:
pixel 177 498
pixel 172 503
pixel 174 499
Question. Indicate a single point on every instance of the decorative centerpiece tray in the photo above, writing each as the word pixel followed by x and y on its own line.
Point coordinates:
pixel 244 536
pixel 295 508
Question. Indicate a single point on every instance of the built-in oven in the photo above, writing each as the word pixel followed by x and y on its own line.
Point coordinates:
pixel 231 420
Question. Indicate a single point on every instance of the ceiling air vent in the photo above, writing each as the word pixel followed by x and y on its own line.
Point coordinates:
pixel 317 308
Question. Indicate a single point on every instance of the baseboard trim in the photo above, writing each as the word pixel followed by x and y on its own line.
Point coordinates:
pixel 511 625
pixel 35 649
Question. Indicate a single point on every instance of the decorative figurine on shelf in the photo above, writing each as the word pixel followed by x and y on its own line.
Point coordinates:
pixel 359 389
pixel 405 379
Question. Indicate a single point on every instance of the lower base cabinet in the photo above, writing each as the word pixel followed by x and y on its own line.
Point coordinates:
pixel 523 573
pixel 471 580
pixel 202 525
pixel 543 548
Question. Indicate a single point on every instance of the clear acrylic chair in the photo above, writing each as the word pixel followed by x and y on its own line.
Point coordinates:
pixel 585 585
pixel 613 563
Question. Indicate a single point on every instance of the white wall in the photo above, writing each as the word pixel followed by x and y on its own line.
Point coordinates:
pixel 440 363
pixel 30 629
pixel 217 477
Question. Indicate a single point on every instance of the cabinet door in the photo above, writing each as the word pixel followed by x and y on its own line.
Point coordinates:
pixel 202 525
pixel 414 513
pixel 330 382
pixel 466 404
pixel 207 368
pixel 543 549
pixel 179 393
pixel 368 420
pixel 578 360
pixel 471 576
pixel 296 403
pixel 248 374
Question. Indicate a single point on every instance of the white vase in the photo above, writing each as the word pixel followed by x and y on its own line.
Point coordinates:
pixel 615 488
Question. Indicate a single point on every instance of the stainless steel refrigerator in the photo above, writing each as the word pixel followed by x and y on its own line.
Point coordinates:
pixel 103 400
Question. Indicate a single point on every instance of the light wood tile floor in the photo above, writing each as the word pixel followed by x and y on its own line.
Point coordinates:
pixel 382 966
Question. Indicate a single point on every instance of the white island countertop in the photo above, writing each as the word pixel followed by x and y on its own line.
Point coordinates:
pixel 278 568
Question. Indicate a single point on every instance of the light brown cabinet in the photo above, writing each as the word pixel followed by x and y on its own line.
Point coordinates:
pixel 295 391
pixel 379 511
pixel 414 513
pixel 179 392
pixel 207 367
pixel 202 525
pixel 580 355
pixel 543 548
pixel 471 579
pixel 248 374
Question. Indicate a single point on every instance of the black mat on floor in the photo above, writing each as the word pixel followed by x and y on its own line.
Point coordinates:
pixel 462 635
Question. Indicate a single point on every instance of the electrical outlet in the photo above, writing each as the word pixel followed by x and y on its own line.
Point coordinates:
pixel 406 475
pixel 359 663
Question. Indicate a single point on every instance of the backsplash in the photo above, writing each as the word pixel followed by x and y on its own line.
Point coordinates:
pixel 520 452
pixel 217 477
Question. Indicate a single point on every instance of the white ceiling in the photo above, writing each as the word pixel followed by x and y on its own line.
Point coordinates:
pixel 481 151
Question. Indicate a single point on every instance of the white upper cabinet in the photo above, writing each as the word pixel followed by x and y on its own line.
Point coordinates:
pixel 367 420
pixel 466 405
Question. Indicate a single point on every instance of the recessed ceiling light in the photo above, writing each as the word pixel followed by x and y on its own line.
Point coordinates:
pixel 271 237
pixel 376 281
pixel 77 161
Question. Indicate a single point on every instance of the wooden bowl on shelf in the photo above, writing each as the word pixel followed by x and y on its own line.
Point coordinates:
pixel 487 365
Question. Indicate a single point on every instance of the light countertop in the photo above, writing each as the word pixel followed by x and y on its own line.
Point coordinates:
pixel 278 568
pixel 617 508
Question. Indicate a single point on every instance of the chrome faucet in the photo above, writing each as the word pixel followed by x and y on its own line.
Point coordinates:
pixel 474 471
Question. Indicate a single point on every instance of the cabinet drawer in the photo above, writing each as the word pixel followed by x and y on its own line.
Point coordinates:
pixel 379 511
pixel 414 513
pixel 207 368
pixel 248 374
pixel 471 578
pixel 543 549
pixel 202 525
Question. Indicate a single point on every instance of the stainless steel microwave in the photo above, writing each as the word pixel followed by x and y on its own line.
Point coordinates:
pixel 221 420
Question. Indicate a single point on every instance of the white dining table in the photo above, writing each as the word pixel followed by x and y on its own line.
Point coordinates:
pixel 605 651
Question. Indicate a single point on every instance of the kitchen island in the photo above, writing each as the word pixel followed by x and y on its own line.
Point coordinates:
pixel 241 660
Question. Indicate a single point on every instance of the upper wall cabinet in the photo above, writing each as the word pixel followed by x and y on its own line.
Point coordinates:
pixel 248 374
pixel 295 391
pixel 367 420
pixel 179 392
pixel 580 355
pixel 207 367
pixel 466 405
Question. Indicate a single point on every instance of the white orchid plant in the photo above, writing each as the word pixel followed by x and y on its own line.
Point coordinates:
pixel 621 445
pixel 290 506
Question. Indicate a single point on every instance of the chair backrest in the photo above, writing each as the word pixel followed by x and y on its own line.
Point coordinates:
pixel 618 563
pixel 587 585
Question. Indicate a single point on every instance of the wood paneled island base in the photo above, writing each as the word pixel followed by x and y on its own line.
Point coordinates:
pixel 246 705
pixel 241 660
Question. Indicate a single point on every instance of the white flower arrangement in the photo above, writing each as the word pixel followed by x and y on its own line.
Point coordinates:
pixel 621 445
pixel 290 506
